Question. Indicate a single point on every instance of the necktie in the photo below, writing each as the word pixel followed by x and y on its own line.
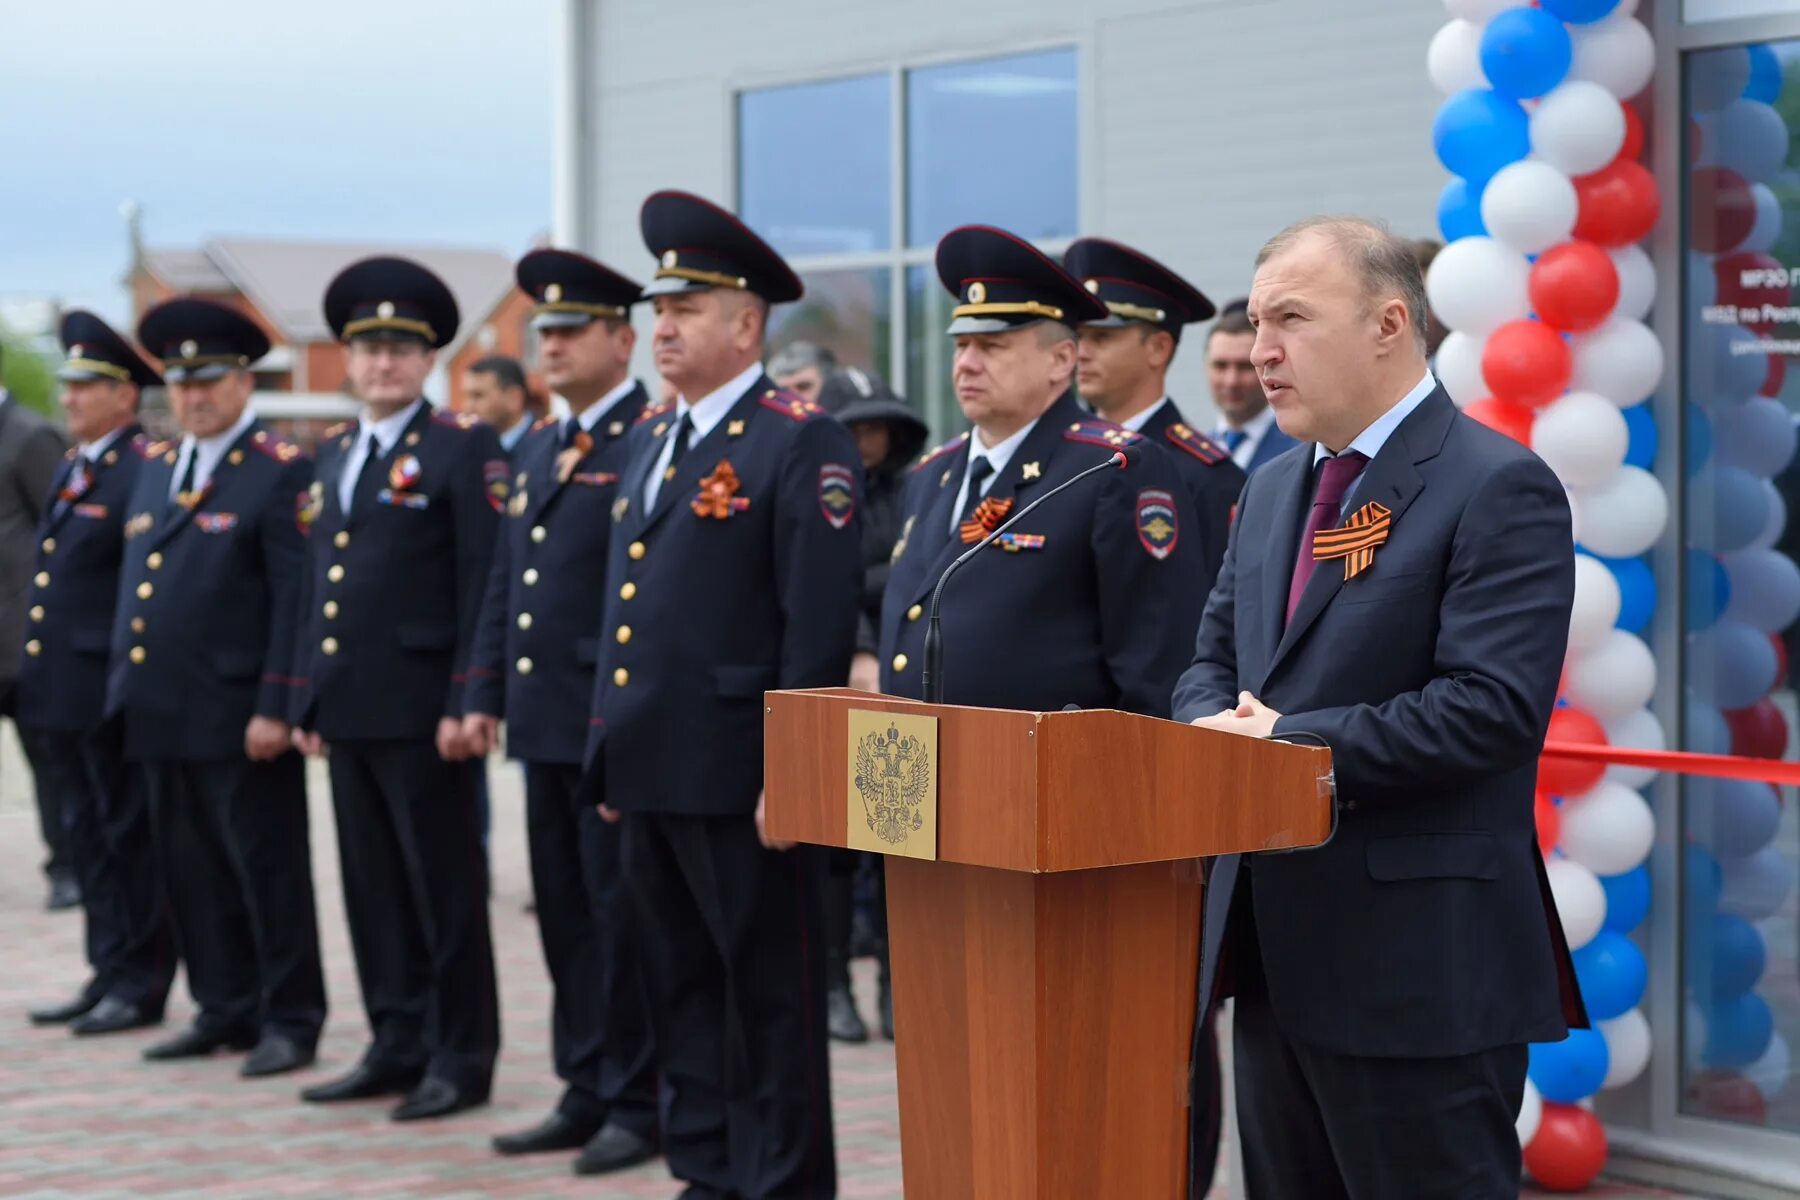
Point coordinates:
pixel 184 489
pixel 368 480
pixel 1233 438
pixel 684 429
pixel 979 470
pixel 1334 483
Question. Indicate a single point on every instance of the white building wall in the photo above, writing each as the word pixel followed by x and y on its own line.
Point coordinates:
pixel 1207 124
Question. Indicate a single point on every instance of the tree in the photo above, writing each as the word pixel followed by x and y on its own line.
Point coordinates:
pixel 27 376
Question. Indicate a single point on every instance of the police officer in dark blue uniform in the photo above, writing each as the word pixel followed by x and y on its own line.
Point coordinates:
pixel 403 513
pixel 734 568
pixel 62 688
pixel 533 664
pixel 1109 573
pixel 203 677
pixel 1122 370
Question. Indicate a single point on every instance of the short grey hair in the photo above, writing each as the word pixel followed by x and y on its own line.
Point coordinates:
pixel 1051 332
pixel 798 356
pixel 1387 265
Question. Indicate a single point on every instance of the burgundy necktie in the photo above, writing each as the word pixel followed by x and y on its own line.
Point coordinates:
pixel 1334 482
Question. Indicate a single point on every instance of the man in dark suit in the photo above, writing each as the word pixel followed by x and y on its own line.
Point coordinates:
pixel 403 514
pixel 1399 589
pixel 1109 574
pixel 1247 427
pixel 734 568
pixel 30 450
pixel 533 664
pixel 78 757
pixel 203 677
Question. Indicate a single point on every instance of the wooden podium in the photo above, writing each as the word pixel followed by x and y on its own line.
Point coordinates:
pixel 1044 962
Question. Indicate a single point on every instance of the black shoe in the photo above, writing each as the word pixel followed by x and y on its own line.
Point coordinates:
pixel 113 1016
pixel 198 1042
pixel 436 1097
pixel 62 1014
pixel 696 1191
pixel 365 1082
pixel 887 1010
pixel 554 1132
pixel 613 1149
pixel 842 1020
pixel 65 894
pixel 276 1055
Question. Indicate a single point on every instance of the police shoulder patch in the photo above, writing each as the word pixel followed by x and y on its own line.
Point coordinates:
pixel 1191 440
pixel 653 412
pixel 790 405
pixel 1102 433
pixel 931 456
pixel 1158 527
pixel 837 494
pixel 494 475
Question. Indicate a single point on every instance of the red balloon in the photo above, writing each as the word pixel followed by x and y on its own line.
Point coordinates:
pixel 1771 386
pixel 1527 363
pixel 1564 777
pixel 1617 204
pixel 1759 731
pixel 1510 419
pixel 1745 279
pixel 1568 1150
pixel 1729 1095
pixel 1574 286
pixel 1634 134
pixel 1549 823
pixel 1721 209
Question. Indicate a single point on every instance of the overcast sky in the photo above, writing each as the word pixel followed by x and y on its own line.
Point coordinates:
pixel 411 120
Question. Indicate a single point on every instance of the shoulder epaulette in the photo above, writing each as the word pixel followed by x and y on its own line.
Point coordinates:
pixel 789 405
pixel 72 451
pixel 145 448
pixel 455 420
pixel 338 430
pixel 1102 433
pixel 275 447
pixel 157 449
pixel 543 423
pixel 931 456
pixel 1197 444
pixel 654 411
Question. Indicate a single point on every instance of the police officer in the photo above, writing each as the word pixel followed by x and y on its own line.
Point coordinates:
pixel 734 568
pixel 62 688
pixel 1110 572
pixel 403 514
pixel 1122 367
pixel 203 676
pixel 533 663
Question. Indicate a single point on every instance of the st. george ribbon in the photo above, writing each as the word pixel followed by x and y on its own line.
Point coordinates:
pixel 931 679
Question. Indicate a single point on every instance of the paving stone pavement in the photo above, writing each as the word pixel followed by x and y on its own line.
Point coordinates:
pixel 88 1118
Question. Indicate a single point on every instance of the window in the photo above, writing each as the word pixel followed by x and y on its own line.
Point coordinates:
pixel 856 179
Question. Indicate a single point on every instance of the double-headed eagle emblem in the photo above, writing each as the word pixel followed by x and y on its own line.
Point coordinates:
pixel 893 777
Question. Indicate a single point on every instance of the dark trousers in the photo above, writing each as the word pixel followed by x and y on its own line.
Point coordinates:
pixel 235 847
pixel 600 1035
pixel 415 894
pixel 729 936
pixel 840 914
pixel 1322 1126
pixel 103 804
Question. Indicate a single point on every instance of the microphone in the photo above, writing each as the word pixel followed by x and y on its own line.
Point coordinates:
pixel 931 683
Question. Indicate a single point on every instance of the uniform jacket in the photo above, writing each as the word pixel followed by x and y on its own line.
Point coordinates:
pixel 1213 481
pixel 30 452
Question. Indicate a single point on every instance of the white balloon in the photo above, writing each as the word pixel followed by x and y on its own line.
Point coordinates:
pixel 1634 731
pixel 1531 1111
pixel 1596 603
pixel 1582 436
pixel 1758 435
pixel 1479 12
pixel 1578 127
pixel 1624 516
pixel 1731 665
pixel 1609 830
pixel 1775 523
pixel 1751 138
pixel 1616 53
pixel 1622 360
pixel 1613 679
pixel 1773 1071
pixel 1765 589
pixel 1637 282
pixel 1458 365
pixel 1756 887
pixel 1717 77
pixel 1627 1048
pixel 1453 60
pixel 1475 285
pixel 1767 229
pixel 1530 206
pixel 1580 900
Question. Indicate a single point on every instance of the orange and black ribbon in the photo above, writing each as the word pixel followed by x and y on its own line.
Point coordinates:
pixel 985 519
pixel 1355 543
pixel 718 496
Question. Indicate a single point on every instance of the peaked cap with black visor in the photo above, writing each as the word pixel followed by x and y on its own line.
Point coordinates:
pixel 573 290
pixel 1135 288
pixel 391 299
pixel 1002 282
pixel 699 246
pixel 199 339
pixel 94 350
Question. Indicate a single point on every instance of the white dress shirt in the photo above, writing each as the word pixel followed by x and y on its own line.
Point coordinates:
pixel 93 450
pixel 998 456
pixel 210 451
pixel 383 433
pixel 593 413
pixel 704 414
pixel 1370 441
pixel 1136 424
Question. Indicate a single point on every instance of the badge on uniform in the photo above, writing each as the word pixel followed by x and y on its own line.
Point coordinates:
pixel 307 507
pixel 405 472
pixel 95 511
pixel 194 499
pixel 620 507
pixel 718 496
pixel 593 478
pixel 80 480
pixel 138 524
pixel 1012 543
pixel 516 506
pixel 1157 525
pixel 216 522
pixel 494 474
pixel 900 546
pixel 570 456
pixel 412 500
pixel 837 494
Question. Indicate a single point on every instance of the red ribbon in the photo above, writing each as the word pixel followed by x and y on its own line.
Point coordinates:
pixel 1680 762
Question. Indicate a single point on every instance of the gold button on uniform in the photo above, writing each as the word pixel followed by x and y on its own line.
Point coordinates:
pixel 341 538
pixel 899 662
pixel 138 625
pixel 628 591
pixel 915 612
pixel 145 591
pixel 668 474
pixel 336 574
pixel 524 666
pixel 41 579
pixel 154 560
pixel 624 634
pixel 329 645
pixel 137 654
pixel 621 677
pixel 531 576
pixel 49 545
pixel 34 647
pixel 524 620
pixel 539 533
pixel 635 551
pixel 37 612
pixel 331 610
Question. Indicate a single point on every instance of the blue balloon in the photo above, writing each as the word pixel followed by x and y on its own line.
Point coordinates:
pixel 1701 881
pixel 1612 974
pixel 1737 1033
pixel 1525 52
pixel 1637 593
pixel 1477 132
pixel 1572 1069
pixel 1765 74
pixel 1579 12
pixel 1708 589
pixel 1699 439
pixel 1459 210
pixel 1640 423
pixel 1725 958
pixel 1627 898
